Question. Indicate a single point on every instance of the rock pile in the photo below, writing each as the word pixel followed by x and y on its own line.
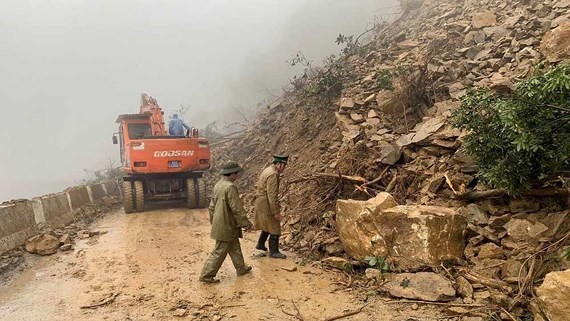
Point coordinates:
pixel 388 131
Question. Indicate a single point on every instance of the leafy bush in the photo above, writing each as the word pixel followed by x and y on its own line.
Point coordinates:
pixel 521 139
pixel 385 80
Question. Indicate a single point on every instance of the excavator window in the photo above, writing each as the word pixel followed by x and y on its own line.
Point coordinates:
pixel 138 131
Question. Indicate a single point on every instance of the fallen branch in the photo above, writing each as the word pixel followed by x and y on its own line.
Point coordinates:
pixel 492 283
pixel 103 302
pixel 529 279
pixel 377 179
pixel 297 316
pixel 232 305
pixel 479 195
pixel 448 304
pixel 357 179
pixel 392 183
pixel 225 140
pixel 347 314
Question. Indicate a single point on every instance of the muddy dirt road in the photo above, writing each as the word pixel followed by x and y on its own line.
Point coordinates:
pixel 146 267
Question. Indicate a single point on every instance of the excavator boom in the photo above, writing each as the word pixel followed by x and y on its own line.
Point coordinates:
pixel 150 106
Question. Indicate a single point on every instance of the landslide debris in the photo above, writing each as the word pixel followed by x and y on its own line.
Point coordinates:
pixel 376 120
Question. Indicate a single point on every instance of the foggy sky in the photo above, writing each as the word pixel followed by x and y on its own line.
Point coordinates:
pixel 69 67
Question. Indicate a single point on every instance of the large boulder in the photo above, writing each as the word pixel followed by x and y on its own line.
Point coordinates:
pixel 555 45
pixel 356 225
pixel 410 237
pixel 554 295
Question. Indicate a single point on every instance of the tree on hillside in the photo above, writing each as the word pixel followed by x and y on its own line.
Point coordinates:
pixel 110 173
pixel 521 139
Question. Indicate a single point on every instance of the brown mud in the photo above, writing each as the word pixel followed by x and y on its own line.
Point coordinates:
pixel 146 268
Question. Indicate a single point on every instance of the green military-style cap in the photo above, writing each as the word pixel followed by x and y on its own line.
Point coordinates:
pixel 277 158
pixel 230 167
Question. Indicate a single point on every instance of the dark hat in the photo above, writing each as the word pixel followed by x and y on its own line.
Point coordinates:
pixel 280 159
pixel 230 167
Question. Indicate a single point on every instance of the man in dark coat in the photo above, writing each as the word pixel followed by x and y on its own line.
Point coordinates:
pixel 267 209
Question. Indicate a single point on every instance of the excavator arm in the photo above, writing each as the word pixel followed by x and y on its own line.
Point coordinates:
pixel 150 106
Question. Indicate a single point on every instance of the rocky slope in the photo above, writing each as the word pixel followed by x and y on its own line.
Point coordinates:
pixel 376 120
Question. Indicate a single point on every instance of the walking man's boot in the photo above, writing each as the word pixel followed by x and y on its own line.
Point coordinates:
pixel 274 248
pixel 261 241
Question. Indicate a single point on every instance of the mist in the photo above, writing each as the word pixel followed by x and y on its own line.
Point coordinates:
pixel 70 67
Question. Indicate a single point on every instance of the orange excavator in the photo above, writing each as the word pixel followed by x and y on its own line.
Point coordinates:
pixel 158 166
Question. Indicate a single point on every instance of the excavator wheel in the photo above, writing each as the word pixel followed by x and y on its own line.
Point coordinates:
pixel 128 202
pixel 203 196
pixel 139 196
pixel 191 200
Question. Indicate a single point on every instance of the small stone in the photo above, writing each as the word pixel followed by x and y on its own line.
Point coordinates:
pixel 464 288
pixel 474 214
pixel 482 295
pixel 523 205
pixel 537 230
pixel 338 262
pixel 180 313
pixel 65 239
pixel 66 247
pixel 518 229
pixel 357 118
pixel 426 286
pixel 289 268
pixel 83 234
pixel 346 103
pixel 512 268
pixel 334 249
pixel 490 251
pixel 484 19
pixel 391 155
pixel 373 274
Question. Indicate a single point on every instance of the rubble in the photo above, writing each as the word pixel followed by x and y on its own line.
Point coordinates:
pixel 387 131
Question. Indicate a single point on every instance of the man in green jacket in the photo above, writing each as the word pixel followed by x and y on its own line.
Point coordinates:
pixel 228 217
pixel 267 209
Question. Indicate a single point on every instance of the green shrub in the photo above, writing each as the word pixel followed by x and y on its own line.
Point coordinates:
pixel 521 139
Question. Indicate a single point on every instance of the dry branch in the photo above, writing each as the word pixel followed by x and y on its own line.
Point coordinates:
pixel 377 179
pixel 479 195
pixel 356 179
pixel 347 314
pixel 492 283
pixel 448 304
pixel 102 302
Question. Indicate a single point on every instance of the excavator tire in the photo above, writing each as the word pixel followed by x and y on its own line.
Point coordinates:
pixel 191 199
pixel 128 202
pixel 139 196
pixel 203 195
